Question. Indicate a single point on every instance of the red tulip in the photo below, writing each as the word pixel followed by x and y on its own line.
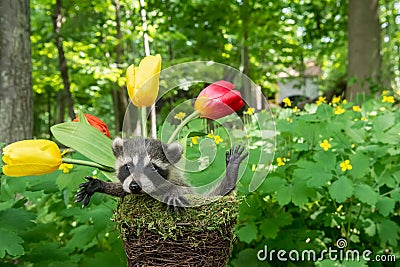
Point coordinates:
pixel 218 100
pixel 96 123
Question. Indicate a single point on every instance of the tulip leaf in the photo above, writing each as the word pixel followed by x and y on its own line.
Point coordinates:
pixel 82 118
pixel 87 140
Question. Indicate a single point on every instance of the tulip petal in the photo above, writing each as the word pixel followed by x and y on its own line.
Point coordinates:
pixel 217 89
pixel 218 100
pixel 31 157
pixel 24 169
pixel 96 123
pixel 130 80
pixel 147 81
pixel 143 81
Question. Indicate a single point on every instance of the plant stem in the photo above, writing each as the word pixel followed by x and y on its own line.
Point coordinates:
pixel 87 163
pixel 143 112
pixel 195 114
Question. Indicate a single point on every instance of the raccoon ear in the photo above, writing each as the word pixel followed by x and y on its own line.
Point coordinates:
pixel 117 147
pixel 173 152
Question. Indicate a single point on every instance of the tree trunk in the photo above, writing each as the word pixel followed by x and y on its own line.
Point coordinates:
pixel 57 22
pixel 16 98
pixel 119 95
pixel 364 64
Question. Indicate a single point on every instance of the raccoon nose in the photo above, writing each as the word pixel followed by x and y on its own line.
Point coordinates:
pixel 134 186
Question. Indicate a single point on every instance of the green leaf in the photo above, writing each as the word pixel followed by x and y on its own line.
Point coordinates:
pixel 248 257
pixel 366 194
pixel 10 243
pixel 82 118
pixel 272 184
pixel 389 232
pixel 360 164
pixel 370 227
pixel 326 160
pixel 283 195
pixel 248 232
pixel 300 193
pixel 87 140
pixel 84 237
pixel 269 228
pixel 16 219
pixel 318 173
pixel 385 205
pixel 383 122
pixel 72 179
pixel 341 189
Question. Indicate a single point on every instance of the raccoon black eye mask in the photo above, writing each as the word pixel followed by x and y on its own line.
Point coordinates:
pixel 146 165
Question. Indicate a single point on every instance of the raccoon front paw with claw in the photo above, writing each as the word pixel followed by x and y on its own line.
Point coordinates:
pixel 88 189
pixel 234 156
pixel 175 200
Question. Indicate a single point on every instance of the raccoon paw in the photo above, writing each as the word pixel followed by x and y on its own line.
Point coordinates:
pixel 234 155
pixel 175 200
pixel 88 189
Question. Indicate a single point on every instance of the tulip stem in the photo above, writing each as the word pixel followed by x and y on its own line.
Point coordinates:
pixel 195 114
pixel 87 163
pixel 143 112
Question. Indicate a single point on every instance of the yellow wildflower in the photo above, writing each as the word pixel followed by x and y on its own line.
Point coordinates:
pixel 344 102
pixel 65 167
pixel 249 111
pixel 356 108
pixel 363 119
pixel 325 145
pixel 385 92
pixel 253 168
pixel 336 100
pixel 281 161
pixel 295 109
pixel 217 139
pixel 290 120
pixel 321 99
pixel 180 115
pixel 338 110
pixel 345 165
pixel 210 135
pixel 387 99
pixel 287 102
pixel 195 140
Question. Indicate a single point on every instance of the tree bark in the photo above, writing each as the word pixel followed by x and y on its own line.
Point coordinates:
pixel 364 57
pixel 16 97
pixel 57 22
pixel 119 95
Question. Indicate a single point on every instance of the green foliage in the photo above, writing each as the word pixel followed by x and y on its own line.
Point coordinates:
pixel 40 225
pixel 313 198
pixel 87 140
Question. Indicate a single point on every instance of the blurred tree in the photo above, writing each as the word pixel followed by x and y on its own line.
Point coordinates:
pixel 364 42
pixel 64 97
pixel 16 102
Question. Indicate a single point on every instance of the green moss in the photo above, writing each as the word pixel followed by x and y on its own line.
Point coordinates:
pixel 142 212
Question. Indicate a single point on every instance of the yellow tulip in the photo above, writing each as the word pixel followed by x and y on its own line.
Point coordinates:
pixel 143 81
pixel 31 157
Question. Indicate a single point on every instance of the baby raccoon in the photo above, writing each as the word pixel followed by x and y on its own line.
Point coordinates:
pixel 147 165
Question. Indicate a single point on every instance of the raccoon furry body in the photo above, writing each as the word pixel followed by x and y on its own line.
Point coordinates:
pixel 148 165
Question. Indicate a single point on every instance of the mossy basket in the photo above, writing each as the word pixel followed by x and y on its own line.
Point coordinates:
pixel 197 236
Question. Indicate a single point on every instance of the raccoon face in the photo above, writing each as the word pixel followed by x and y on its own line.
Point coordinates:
pixel 144 163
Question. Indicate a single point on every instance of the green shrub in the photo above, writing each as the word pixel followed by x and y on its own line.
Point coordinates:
pixel 336 175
